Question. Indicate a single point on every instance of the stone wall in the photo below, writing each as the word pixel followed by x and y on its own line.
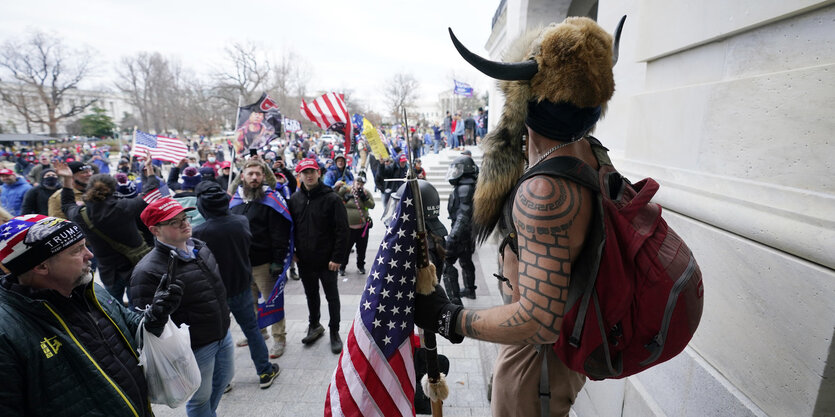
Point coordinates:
pixel 729 106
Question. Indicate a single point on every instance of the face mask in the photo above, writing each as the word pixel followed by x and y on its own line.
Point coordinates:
pixel 50 182
pixel 193 165
pixel 211 159
pixel 124 169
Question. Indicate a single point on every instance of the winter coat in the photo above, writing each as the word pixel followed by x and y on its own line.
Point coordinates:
pixel 12 197
pixel 203 306
pixel 332 176
pixel 54 203
pixel 68 356
pixel 320 226
pixel 36 200
pixel 356 216
pixel 228 237
pixel 116 219
pixel 270 233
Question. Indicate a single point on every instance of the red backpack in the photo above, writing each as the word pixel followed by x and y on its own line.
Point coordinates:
pixel 635 295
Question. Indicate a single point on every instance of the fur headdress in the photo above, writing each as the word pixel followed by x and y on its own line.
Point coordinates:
pixel 568 62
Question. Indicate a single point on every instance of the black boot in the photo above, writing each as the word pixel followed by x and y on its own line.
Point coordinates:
pixel 469 284
pixel 314 332
pixel 336 342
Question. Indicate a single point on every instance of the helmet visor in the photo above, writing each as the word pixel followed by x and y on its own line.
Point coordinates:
pixel 455 171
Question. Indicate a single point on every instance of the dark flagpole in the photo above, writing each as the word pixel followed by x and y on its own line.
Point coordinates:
pixel 434 384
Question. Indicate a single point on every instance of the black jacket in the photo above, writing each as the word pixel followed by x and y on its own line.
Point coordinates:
pixel 229 238
pixel 270 233
pixel 36 200
pixel 460 207
pixel 71 356
pixel 203 306
pixel 321 226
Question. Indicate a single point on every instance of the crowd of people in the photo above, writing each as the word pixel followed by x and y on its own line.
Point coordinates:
pixel 228 231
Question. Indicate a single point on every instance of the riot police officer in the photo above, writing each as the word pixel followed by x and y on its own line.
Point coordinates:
pixel 460 244
pixel 435 231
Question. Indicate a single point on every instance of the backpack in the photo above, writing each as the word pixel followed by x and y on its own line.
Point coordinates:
pixel 635 294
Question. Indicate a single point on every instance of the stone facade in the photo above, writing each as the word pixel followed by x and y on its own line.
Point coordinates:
pixel 729 106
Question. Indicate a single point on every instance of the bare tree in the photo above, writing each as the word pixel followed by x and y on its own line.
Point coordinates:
pixel 401 92
pixel 148 80
pixel 247 74
pixel 39 72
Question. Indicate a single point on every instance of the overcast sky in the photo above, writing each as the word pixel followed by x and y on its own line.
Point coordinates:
pixel 355 44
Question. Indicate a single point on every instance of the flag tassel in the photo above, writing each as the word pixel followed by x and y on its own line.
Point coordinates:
pixel 437 391
pixel 426 279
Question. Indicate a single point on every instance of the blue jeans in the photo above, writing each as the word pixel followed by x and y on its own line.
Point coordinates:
pixel 454 142
pixel 437 145
pixel 217 367
pixel 241 307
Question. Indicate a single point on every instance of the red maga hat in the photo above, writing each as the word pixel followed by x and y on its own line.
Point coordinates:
pixel 162 210
pixel 307 163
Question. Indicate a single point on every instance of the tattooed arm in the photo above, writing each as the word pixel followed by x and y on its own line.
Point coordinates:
pixel 551 221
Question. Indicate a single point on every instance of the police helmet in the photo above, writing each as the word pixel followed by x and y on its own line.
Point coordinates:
pixel 461 166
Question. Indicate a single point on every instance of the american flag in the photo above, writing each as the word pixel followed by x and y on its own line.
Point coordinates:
pixel 376 371
pixel 161 147
pixel 12 234
pixel 327 111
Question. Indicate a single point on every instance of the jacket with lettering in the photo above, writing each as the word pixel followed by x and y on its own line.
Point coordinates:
pixel 71 356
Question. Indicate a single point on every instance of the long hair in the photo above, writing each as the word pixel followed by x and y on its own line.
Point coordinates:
pixel 99 188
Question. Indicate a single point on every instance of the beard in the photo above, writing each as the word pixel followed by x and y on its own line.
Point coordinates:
pixel 85 277
pixel 255 193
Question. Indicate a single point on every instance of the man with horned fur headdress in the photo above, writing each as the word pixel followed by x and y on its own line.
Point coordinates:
pixel 556 89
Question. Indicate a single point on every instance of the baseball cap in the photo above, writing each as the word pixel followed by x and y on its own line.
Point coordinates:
pixel 403 158
pixel 307 163
pixel 162 210
pixel 6 171
pixel 225 164
pixel 466 152
pixel 339 155
pixel 77 167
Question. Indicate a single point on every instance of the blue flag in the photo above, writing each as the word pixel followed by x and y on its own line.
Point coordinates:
pixel 271 308
pixel 462 89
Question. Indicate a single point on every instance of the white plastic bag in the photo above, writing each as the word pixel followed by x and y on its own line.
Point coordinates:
pixel 169 364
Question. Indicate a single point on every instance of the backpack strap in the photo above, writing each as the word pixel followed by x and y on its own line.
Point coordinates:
pixel 130 253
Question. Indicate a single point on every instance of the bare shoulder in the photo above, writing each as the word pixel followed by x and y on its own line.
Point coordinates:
pixel 546 205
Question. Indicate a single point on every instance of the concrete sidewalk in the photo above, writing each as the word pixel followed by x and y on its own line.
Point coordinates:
pixel 306 370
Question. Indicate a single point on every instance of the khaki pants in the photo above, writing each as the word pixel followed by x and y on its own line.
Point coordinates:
pixel 516 382
pixel 262 282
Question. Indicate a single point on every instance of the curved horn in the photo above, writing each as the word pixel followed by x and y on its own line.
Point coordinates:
pixel 500 70
pixel 617 40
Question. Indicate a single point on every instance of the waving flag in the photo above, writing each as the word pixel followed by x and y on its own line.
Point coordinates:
pixel 327 111
pixel 462 89
pixel 375 375
pixel 162 148
pixel 291 125
pixel 258 124
pixel 271 308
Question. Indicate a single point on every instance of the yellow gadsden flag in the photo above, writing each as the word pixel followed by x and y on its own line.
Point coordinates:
pixel 377 147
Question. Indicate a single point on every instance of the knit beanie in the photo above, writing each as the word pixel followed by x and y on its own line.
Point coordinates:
pixel 191 177
pixel 28 240
pixel 125 188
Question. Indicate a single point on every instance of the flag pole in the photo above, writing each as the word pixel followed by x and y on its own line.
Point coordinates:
pixel 434 382
pixel 233 167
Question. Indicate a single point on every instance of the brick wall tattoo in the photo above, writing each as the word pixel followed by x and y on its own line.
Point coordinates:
pixel 544 210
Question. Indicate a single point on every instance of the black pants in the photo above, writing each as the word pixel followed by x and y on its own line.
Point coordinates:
pixel 465 259
pixel 310 276
pixel 362 244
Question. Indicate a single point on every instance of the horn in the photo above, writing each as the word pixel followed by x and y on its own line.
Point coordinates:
pixel 517 71
pixel 617 40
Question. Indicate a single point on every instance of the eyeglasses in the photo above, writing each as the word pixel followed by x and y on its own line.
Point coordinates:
pixel 177 223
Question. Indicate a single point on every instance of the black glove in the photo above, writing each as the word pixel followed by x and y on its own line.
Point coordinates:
pixel 166 299
pixel 435 313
